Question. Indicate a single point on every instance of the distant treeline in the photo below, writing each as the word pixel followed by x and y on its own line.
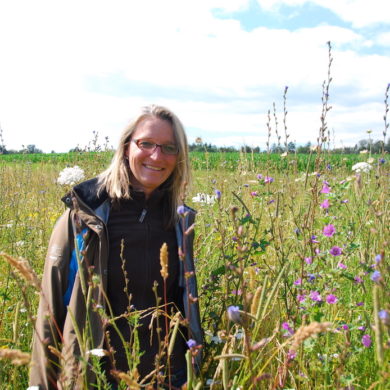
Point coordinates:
pixel 374 147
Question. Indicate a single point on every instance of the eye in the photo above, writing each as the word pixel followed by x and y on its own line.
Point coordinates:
pixel 170 149
pixel 146 145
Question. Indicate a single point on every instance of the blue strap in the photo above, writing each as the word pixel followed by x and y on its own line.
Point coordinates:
pixel 73 266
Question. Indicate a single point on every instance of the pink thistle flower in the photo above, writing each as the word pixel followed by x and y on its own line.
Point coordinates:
pixel 335 251
pixel 358 279
pixel 325 189
pixel 291 355
pixel 254 193
pixel 341 265
pixel 287 327
pixel 315 296
pixel 331 299
pixel 366 340
pixel 309 260
pixel 298 282
pixel 329 230
pixel 301 297
pixel 325 204
pixel 268 179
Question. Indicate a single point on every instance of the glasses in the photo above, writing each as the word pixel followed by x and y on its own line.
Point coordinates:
pixel 169 149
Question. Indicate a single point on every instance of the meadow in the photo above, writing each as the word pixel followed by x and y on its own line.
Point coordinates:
pixel 292 266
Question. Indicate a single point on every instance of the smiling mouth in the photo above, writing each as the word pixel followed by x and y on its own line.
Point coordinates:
pixel 153 168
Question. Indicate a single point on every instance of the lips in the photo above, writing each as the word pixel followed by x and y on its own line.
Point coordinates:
pixel 153 168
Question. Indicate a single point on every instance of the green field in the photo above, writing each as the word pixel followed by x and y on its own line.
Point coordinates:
pixel 300 260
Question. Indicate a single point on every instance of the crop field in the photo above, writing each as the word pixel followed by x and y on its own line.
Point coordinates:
pixel 291 257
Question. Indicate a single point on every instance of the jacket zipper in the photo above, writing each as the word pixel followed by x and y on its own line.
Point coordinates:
pixel 142 216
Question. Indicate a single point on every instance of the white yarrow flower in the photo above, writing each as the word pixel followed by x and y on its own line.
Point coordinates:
pixel 204 198
pixel 97 352
pixel 361 167
pixel 70 176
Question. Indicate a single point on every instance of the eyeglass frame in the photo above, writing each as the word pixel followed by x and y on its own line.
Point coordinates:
pixel 156 145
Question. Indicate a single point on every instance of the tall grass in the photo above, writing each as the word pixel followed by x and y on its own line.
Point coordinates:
pixel 292 265
pixel 255 250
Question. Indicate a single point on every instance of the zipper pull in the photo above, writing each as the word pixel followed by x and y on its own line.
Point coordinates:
pixel 142 216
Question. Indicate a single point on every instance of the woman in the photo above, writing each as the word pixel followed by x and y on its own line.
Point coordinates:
pixel 103 263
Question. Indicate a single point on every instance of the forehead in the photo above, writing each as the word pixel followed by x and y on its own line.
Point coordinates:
pixel 154 128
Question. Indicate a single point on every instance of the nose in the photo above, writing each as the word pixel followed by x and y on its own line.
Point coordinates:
pixel 157 152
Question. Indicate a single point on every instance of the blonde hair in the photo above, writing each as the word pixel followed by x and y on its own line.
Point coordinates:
pixel 116 179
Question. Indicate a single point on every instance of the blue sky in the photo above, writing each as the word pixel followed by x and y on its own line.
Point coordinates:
pixel 69 68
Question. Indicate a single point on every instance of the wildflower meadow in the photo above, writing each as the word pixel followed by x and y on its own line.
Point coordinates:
pixel 292 266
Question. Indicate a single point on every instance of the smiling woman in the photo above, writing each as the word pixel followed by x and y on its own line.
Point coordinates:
pixel 105 249
pixel 150 164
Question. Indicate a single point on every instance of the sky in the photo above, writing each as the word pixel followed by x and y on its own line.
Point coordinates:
pixel 68 68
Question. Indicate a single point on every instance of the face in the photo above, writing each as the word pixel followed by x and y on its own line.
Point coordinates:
pixel 149 169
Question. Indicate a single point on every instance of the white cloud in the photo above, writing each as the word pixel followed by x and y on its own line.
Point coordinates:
pixel 231 76
pixel 360 13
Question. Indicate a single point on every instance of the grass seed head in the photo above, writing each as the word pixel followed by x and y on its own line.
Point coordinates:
pixel 16 356
pixel 24 269
pixel 164 261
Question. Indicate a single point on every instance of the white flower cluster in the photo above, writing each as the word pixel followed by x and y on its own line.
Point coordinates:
pixel 361 167
pixel 70 176
pixel 204 198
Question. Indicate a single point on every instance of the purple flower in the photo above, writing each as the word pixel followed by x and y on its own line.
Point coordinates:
pixel 331 299
pixel 301 297
pixel 191 343
pixel 309 260
pixel 341 265
pixel 311 277
pixel 315 296
pixel 313 239
pixel 298 282
pixel 362 328
pixel 236 292
pixel 259 176
pixel 291 355
pixel 345 201
pixel 287 327
pixel 181 210
pixel 366 340
pixel 382 160
pixel 254 193
pixel 218 194
pixel 325 204
pixel 359 303
pixel 234 314
pixel 271 201
pixel 378 258
pixel 384 317
pixel 329 230
pixel 325 189
pixel 345 327
pixel 268 179
pixel 335 251
pixel 376 276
